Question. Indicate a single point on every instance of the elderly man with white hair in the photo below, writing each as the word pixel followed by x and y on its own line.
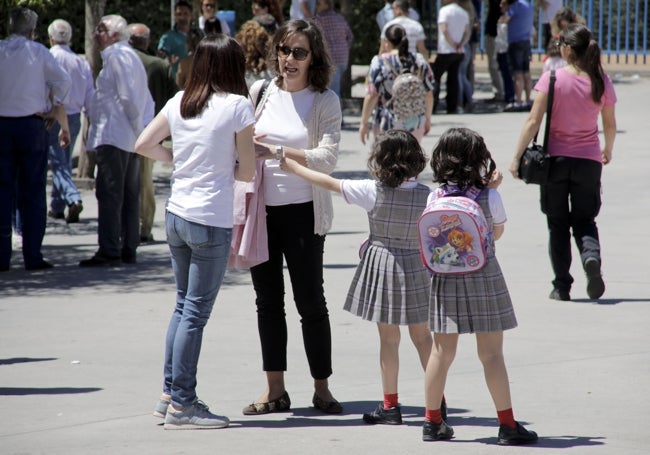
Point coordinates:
pixel 120 108
pixel 31 82
pixel 64 191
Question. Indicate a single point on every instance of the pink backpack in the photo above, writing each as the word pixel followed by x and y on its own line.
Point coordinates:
pixel 453 232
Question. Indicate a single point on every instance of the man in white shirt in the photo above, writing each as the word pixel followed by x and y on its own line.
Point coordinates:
pixel 386 14
pixel 454 32
pixel 414 30
pixel 549 8
pixel 31 81
pixel 120 108
pixel 302 9
pixel 64 191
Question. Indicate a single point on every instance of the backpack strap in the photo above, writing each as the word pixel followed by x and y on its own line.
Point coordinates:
pixel 260 94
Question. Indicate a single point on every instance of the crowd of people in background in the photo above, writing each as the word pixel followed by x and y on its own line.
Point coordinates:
pixel 269 94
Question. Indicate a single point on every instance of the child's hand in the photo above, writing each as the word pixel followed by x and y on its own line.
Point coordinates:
pixel 495 180
pixel 288 165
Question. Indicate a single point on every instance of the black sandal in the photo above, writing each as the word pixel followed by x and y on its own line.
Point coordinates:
pixel 281 404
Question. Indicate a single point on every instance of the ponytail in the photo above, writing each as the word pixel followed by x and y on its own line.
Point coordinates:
pixel 594 69
pixel 585 54
pixel 403 51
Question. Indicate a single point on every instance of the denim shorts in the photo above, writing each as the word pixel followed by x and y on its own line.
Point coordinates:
pixel 519 56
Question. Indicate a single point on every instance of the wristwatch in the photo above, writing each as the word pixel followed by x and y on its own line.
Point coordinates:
pixel 278 152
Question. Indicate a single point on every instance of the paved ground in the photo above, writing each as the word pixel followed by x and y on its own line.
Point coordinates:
pixel 81 350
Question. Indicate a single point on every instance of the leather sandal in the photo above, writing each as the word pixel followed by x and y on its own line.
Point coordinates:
pixel 328 407
pixel 281 404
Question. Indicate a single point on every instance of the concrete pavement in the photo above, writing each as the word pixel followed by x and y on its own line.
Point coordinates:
pixel 81 349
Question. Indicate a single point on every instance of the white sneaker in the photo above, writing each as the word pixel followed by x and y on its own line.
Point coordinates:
pixel 194 417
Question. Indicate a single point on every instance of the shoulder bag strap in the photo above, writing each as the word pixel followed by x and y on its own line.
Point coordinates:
pixel 260 94
pixel 549 109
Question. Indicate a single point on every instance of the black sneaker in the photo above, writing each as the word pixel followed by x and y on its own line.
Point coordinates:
pixel 436 432
pixel 595 283
pixel 559 294
pixel 515 436
pixel 391 416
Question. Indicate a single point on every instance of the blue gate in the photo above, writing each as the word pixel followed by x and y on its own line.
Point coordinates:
pixel 620 26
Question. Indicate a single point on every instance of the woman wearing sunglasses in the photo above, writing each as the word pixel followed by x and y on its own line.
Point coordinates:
pixel 298 116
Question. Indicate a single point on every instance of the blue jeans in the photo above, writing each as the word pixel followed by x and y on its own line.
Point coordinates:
pixel 64 191
pixel 23 168
pixel 199 256
pixel 335 84
pixel 465 91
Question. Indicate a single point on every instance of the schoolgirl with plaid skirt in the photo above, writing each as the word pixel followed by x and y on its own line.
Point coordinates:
pixel 476 302
pixel 391 285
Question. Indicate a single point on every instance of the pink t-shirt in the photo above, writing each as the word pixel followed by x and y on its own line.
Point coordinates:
pixel 574 120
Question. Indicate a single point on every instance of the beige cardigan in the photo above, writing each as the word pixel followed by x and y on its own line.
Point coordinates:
pixel 324 130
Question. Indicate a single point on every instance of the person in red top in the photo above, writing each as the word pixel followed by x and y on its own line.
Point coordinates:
pixel 571 198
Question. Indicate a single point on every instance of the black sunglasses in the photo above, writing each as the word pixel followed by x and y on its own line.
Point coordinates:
pixel 298 52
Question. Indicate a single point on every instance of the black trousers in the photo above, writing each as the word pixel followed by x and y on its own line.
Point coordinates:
pixel 571 201
pixel 291 237
pixel 447 63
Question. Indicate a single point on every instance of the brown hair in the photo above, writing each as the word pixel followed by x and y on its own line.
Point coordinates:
pixel 255 42
pixel 274 9
pixel 320 69
pixel 218 67
pixel 585 54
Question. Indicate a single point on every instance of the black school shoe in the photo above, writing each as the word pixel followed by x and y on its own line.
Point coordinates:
pixel 595 283
pixel 436 432
pixel 515 436
pixel 391 416
pixel 559 294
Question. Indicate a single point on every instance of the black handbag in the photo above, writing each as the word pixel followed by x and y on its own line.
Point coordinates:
pixel 535 163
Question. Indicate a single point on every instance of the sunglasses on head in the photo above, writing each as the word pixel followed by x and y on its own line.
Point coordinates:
pixel 298 52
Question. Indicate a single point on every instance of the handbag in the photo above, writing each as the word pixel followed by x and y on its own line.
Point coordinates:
pixel 535 162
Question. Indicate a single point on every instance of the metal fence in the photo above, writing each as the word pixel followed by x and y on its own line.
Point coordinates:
pixel 620 26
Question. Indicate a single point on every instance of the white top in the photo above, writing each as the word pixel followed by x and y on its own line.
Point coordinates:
pixel 386 14
pixel 364 192
pixel 28 73
pixel 295 11
pixel 204 155
pixel 501 41
pixel 495 203
pixel 414 31
pixel 293 108
pixel 225 28
pixel 456 19
pixel 121 104
pixel 83 85
pixel 548 13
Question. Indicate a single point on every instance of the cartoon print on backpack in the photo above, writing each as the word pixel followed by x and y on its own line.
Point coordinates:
pixel 454 232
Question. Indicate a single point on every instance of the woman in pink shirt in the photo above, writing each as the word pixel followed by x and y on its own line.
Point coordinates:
pixel 571 198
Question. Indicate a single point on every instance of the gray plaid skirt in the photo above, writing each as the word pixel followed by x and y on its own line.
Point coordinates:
pixel 470 303
pixel 390 286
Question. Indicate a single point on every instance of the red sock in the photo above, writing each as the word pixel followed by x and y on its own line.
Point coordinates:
pixel 390 400
pixel 506 417
pixel 433 415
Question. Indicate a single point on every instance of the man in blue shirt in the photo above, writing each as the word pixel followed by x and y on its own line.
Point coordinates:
pixel 172 43
pixel 520 27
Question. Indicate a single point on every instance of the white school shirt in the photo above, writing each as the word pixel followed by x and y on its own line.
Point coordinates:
pixel 28 73
pixel 414 31
pixel 364 192
pixel 83 85
pixel 204 154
